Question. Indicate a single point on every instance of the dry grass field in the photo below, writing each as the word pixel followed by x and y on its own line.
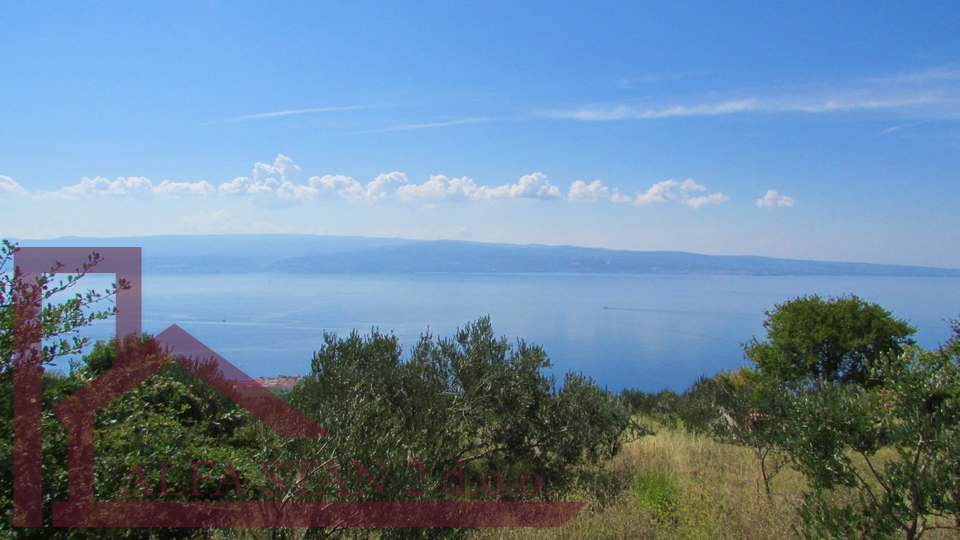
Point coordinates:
pixel 678 486
pixel 675 485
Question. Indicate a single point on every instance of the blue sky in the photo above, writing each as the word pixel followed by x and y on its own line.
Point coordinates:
pixel 824 131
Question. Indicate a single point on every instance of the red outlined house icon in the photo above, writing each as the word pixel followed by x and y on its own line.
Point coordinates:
pixel 137 360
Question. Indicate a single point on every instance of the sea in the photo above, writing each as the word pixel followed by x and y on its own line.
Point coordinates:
pixel 646 332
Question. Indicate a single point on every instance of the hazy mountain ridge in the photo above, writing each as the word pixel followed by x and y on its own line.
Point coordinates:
pixel 310 254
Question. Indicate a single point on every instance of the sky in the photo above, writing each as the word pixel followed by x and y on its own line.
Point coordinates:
pixel 827 131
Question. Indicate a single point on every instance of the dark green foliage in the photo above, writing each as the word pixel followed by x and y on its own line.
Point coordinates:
pixel 812 339
pixel 638 401
pixel 474 399
pixel 694 410
pixel 172 416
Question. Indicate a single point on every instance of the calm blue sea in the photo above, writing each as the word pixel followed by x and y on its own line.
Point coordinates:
pixel 640 331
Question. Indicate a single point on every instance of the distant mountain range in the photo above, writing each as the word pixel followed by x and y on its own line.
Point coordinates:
pixel 310 254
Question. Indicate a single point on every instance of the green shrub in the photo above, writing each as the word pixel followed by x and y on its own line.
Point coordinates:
pixel 658 493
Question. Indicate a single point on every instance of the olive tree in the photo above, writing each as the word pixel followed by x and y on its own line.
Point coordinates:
pixel 870 419
pixel 454 416
pixel 883 461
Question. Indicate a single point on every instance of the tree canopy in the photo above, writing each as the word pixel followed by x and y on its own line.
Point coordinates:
pixel 835 340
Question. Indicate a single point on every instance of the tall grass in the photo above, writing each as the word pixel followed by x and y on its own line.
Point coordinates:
pixel 675 485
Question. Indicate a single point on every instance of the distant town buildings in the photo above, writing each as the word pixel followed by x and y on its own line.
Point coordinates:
pixel 284 383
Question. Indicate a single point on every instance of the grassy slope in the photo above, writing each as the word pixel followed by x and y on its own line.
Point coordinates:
pixel 719 497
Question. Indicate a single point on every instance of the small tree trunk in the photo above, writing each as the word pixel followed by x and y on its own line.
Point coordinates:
pixel 766 479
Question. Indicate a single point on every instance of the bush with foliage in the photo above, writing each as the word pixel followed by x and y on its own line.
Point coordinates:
pixel 872 421
pixel 474 405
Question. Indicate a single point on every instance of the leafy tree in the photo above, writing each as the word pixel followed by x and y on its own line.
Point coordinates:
pixel 833 340
pixel 870 419
pixel 883 461
pixel 60 322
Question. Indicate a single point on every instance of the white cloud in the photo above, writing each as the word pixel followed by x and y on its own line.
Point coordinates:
pixel 184 188
pixel 406 127
pixel 244 185
pixel 261 116
pixel 810 105
pixel 277 178
pixel 617 197
pixel 275 185
pixel 438 188
pixel 134 185
pixel 336 185
pixel 625 112
pixel 933 94
pixel 9 186
pixel 773 199
pixel 581 191
pixel 697 202
pixel 531 186
pixel 667 191
pixel 283 170
pixel 671 190
pixel 383 185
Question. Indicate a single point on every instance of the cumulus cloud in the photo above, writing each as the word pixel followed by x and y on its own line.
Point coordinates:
pixel 671 190
pixel 184 188
pixel 276 185
pixel 582 191
pixel 268 178
pixel 667 191
pixel 617 197
pixel 279 177
pixel 282 170
pixel 336 185
pixel 697 202
pixel 531 186
pixel 438 188
pixel 134 185
pixel 774 200
pixel 384 184
pixel 10 187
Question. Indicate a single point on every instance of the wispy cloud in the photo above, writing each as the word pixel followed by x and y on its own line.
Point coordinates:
pixel 405 127
pixel 898 127
pixel 10 187
pixel 622 112
pixel 824 105
pixel 927 94
pixel 288 112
